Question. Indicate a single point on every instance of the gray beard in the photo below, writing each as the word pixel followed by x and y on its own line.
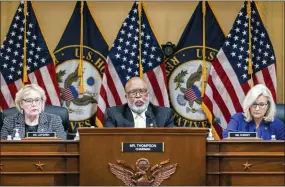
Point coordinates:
pixel 137 109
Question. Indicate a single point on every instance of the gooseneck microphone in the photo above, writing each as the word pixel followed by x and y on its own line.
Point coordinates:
pixel 150 118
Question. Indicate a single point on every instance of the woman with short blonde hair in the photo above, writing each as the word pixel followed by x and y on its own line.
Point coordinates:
pixel 30 102
pixel 258 115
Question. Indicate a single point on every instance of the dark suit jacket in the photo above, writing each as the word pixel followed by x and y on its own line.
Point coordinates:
pixel 121 116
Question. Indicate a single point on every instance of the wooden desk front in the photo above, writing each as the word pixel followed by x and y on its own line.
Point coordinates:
pixel 39 163
pixel 225 163
pixel 245 163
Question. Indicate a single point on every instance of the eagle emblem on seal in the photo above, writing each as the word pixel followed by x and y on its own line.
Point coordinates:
pixel 142 174
pixel 191 94
pixel 70 94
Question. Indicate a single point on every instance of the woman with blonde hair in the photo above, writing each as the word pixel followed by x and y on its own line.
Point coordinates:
pixel 30 102
pixel 258 115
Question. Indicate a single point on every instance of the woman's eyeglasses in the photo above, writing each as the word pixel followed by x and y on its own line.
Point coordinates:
pixel 30 101
pixel 260 105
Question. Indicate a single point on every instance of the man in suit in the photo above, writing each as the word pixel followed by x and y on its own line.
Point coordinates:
pixel 138 112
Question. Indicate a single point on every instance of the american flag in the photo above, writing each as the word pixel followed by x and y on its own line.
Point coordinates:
pixel 40 67
pixel 229 80
pixel 123 63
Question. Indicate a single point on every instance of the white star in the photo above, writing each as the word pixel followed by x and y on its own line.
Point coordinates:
pixel 152 48
pixel 237 30
pixel 256 66
pixel 14 61
pixel 233 54
pixel 129 35
pixel 133 18
pixel 245 67
pixel 132 53
pixel 158 59
pixel 5 65
pixel 241 49
pixel 117 55
pixel 34 37
pixel 37 56
pixel 227 43
pixel 244 76
pixel 30 25
pixel 147 37
pixel 151 56
pixel 240 57
pixel 8 49
pixel 238 65
pixel 263 61
pixel 129 69
pixel 124 58
pixel 149 64
pixel 20 37
pixel 123 66
pixel 18 45
pixel 15 25
pixel 272 57
pixel 19 72
pixel 238 21
pixel 125 24
pixel 134 46
pixel 122 31
pixel 43 60
pixel 17 17
pixel 29 60
pixel 236 38
pixel 244 32
pixel 146 45
pixel 10 77
pixel 136 38
pixel 131 62
pixel 38 49
pixel 265 53
pixel 127 43
pixel 245 24
pixel 121 40
pixel 258 58
pixel 28 33
pixel 119 48
pixel 11 42
pixel 12 69
pixel 16 53
pixel 267 46
pixel 240 14
pixel 126 51
pixel 235 46
pixel 7 57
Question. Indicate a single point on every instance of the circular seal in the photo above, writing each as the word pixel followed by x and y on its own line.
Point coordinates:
pixel 185 85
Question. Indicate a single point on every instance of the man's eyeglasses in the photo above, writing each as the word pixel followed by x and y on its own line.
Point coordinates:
pixel 133 93
pixel 260 105
pixel 30 101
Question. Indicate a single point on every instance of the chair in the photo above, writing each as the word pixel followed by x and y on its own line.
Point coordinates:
pixel 1 121
pixel 57 110
pixel 280 112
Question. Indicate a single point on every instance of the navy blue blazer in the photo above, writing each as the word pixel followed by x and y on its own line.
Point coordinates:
pixel 121 116
pixel 265 130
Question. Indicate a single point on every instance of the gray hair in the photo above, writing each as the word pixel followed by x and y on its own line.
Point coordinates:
pixel 252 95
pixel 25 90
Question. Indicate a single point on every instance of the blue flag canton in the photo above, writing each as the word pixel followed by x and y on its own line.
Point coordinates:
pixel 236 46
pixel 12 50
pixel 125 50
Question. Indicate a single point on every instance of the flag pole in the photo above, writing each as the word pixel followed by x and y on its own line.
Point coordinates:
pixel 80 68
pixel 249 44
pixel 204 70
pixel 140 39
pixel 25 73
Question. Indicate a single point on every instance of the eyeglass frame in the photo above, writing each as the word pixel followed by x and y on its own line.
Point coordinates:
pixel 30 101
pixel 260 105
pixel 142 92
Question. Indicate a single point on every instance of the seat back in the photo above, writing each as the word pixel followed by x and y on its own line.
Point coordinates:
pixel 280 112
pixel 57 110
pixel 1 121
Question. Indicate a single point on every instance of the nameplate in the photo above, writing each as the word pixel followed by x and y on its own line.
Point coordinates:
pixel 41 134
pixel 242 135
pixel 142 147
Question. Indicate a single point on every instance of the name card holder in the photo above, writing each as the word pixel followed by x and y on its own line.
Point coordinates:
pixel 41 136
pixel 243 136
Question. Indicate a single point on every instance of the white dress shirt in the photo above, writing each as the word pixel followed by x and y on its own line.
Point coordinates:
pixel 139 119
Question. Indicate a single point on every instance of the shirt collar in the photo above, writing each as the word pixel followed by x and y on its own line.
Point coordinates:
pixel 141 114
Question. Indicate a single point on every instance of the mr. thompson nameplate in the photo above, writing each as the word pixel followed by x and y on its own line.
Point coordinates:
pixel 142 147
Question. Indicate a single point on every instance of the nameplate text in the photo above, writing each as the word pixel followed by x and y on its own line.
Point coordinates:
pixel 142 147
pixel 242 135
pixel 41 134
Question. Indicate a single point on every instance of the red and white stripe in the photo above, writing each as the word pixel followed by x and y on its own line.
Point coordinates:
pixel 45 77
pixel 112 91
pixel 224 94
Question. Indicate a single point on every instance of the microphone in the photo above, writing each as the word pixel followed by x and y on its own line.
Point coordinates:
pixel 150 118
